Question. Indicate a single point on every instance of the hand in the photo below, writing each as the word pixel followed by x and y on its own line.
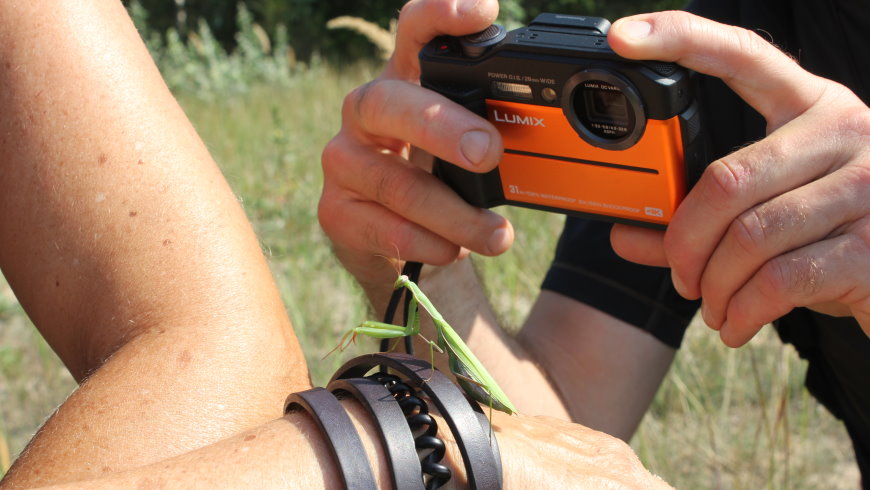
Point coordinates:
pixel 543 452
pixel 379 202
pixel 782 223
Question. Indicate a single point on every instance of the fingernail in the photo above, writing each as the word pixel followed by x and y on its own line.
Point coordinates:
pixel 705 314
pixel 474 146
pixel 499 241
pixel 724 333
pixel 467 6
pixel 635 29
pixel 678 284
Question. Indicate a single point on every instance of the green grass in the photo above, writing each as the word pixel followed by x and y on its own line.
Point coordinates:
pixel 724 418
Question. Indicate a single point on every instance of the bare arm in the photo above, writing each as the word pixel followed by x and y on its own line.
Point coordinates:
pixel 128 250
pixel 290 452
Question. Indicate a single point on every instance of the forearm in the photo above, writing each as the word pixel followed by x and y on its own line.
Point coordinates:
pixel 457 293
pixel 287 452
pixel 607 370
pixel 292 452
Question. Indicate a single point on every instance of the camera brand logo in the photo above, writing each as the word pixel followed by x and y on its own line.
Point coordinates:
pixel 517 119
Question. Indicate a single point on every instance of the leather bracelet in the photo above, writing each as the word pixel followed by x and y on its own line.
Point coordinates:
pixel 478 448
pixel 335 424
pixel 398 442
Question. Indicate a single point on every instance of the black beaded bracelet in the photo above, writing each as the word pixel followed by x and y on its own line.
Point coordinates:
pixel 430 449
pixel 335 424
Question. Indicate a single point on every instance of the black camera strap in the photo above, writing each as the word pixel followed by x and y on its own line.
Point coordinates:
pixel 412 270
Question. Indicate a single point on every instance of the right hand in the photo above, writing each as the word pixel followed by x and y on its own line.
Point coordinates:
pixel 378 202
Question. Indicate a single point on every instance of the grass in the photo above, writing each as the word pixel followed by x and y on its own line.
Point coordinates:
pixel 724 418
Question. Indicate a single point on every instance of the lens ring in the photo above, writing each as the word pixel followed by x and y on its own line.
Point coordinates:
pixel 621 136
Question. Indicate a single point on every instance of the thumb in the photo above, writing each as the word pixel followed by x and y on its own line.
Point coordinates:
pixel 762 75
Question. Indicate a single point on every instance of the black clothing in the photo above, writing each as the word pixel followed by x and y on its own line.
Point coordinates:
pixel 829 38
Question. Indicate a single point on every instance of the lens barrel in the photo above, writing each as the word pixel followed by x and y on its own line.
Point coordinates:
pixel 604 109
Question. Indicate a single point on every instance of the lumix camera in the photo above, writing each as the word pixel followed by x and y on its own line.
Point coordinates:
pixel 585 131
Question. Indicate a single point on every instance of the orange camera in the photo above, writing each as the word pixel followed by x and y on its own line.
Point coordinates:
pixel 585 131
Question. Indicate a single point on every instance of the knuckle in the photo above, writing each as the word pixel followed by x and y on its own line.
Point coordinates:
pixel 749 232
pixel 727 179
pixel 328 215
pixel 620 458
pixel 795 276
pixel 764 227
pixel 771 278
pixel 482 220
pixel 862 231
pixel 849 126
pixel 858 176
pixel 430 9
pixel 396 188
pixel 367 101
pixel 406 9
pixel 753 46
pixel 680 23
pixel 372 235
pixel 431 127
pixel 332 155
pixel 742 173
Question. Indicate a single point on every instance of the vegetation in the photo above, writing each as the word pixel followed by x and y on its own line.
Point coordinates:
pixel 724 418
pixel 304 21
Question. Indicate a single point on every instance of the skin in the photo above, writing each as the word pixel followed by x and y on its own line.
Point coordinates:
pixel 744 240
pixel 566 455
pixel 779 223
pixel 128 250
pixel 131 254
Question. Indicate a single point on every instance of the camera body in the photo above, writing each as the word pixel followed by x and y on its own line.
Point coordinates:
pixel 585 131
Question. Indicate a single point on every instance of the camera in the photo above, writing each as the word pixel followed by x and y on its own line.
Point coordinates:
pixel 586 132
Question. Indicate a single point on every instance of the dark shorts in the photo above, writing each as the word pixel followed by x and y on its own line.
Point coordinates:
pixel 586 268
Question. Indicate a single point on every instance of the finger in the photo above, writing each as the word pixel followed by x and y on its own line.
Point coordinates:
pixel 398 111
pixel 375 230
pixel 762 75
pixel 639 245
pixel 417 196
pixel 422 20
pixel 785 223
pixel 834 270
pixel 740 181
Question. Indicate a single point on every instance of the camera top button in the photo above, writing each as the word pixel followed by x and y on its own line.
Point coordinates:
pixel 475 45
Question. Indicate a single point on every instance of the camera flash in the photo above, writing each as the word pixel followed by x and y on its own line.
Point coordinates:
pixel 512 90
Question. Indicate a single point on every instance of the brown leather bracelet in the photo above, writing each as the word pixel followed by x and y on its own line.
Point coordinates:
pixel 396 437
pixel 335 424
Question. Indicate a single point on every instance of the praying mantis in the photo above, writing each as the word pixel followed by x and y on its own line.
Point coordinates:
pixel 470 374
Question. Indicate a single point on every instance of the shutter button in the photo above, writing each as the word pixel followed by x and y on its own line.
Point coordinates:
pixel 475 45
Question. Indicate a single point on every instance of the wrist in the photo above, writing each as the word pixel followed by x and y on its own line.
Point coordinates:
pixel 400 422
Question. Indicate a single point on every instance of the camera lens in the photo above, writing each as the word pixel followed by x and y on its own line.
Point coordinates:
pixel 604 109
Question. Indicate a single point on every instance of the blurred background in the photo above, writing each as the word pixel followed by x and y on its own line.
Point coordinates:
pixel 263 83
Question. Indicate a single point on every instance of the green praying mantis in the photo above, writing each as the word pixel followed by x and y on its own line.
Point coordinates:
pixel 470 374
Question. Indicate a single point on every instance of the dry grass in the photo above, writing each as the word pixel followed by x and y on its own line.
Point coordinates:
pixel 384 40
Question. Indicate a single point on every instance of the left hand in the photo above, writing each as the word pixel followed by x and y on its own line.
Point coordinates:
pixel 781 223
